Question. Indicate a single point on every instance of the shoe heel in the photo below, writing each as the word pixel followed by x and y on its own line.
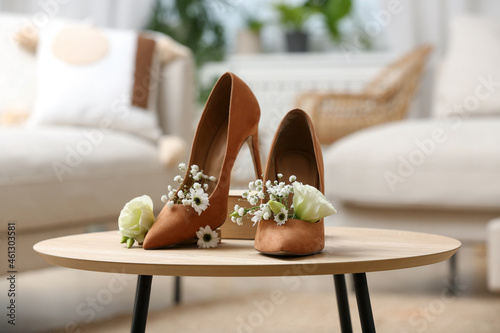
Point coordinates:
pixel 253 144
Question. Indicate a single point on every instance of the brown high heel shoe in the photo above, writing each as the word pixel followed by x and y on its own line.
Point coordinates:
pixel 230 118
pixel 295 151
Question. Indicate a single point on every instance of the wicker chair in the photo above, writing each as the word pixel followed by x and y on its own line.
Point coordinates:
pixel 384 99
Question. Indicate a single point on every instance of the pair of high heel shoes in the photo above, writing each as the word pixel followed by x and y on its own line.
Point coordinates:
pixel 231 118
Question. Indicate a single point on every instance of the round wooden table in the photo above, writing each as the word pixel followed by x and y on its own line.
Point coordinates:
pixel 347 251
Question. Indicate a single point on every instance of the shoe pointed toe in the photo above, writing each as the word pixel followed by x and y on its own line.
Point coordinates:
pixel 294 238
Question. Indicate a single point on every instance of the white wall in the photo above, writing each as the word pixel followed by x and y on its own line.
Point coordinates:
pixel 132 14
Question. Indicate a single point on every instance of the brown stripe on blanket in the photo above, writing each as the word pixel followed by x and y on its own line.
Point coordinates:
pixel 142 74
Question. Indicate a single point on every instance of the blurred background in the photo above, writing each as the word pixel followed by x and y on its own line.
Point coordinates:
pixel 377 77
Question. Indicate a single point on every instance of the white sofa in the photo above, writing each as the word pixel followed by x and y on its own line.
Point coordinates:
pixel 106 168
pixel 440 174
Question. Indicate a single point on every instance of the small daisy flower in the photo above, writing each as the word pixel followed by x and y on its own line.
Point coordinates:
pixel 170 204
pixel 207 238
pixel 164 198
pixel 281 217
pixel 199 200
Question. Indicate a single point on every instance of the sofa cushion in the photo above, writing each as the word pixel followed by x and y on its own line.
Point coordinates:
pixel 87 74
pixel 468 80
pixel 418 163
pixel 60 175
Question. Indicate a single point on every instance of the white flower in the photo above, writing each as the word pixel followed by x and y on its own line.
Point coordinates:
pixel 259 182
pixel 180 194
pixel 194 168
pixel 236 207
pixel 178 179
pixel 170 204
pixel 241 211
pixel 186 202
pixel 182 167
pixel 171 194
pixel 251 186
pixel 170 188
pixel 198 176
pixel 239 221
pixel 261 195
pixel 164 198
pixel 135 219
pixel 310 204
pixel 292 178
pixel 205 187
pixel 269 183
pixel 244 195
pixel 282 216
pixel 233 219
pixel 207 238
pixel 196 186
pixel 212 178
pixel 266 216
pixel 253 200
pixel 257 216
pixel 280 175
pixel 199 200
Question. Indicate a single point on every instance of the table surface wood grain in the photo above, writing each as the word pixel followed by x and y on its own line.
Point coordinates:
pixel 347 250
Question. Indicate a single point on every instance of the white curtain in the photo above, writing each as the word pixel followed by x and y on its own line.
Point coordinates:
pixel 125 14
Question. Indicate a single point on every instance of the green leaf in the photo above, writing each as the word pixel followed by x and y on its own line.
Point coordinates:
pixel 124 239
pixel 130 242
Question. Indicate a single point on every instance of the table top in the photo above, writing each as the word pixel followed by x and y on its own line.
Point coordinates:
pixel 347 250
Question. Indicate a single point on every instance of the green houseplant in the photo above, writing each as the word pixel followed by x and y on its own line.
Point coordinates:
pixel 194 24
pixel 332 11
pixel 248 40
pixel 292 18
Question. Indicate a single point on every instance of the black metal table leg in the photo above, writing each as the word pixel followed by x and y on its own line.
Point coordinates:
pixel 343 303
pixel 177 290
pixel 364 305
pixel 141 305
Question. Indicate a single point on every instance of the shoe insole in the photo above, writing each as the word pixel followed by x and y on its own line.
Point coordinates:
pixel 300 164
pixel 214 157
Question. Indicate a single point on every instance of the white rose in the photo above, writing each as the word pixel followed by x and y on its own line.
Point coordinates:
pixel 310 204
pixel 136 218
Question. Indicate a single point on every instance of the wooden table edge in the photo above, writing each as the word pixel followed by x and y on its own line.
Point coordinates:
pixel 280 269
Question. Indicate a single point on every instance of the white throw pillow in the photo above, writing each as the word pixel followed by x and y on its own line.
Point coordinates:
pixel 468 82
pixel 97 77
